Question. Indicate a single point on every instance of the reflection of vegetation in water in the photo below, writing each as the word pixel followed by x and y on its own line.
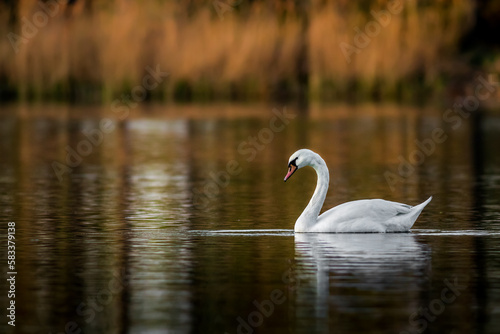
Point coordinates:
pixel 96 50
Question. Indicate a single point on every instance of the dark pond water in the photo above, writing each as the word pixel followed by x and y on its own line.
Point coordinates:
pixel 176 219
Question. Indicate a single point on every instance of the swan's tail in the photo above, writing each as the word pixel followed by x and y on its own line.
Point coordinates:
pixel 415 212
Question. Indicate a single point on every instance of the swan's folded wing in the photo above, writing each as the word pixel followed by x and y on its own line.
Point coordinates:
pixel 390 209
pixel 375 209
pixel 375 215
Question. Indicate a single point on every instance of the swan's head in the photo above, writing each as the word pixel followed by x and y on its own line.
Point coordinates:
pixel 299 159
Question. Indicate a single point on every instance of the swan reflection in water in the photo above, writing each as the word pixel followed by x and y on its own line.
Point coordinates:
pixel 351 275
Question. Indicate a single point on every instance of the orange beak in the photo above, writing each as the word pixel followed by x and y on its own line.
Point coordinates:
pixel 291 170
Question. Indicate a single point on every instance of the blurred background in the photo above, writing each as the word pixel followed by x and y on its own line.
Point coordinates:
pixel 242 50
pixel 145 143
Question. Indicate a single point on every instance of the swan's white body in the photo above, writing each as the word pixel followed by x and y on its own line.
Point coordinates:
pixel 363 216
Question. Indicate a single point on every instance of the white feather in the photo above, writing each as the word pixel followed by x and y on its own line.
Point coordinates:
pixel 363 216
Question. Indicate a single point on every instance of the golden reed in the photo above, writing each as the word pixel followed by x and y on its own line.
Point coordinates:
pixel 228 49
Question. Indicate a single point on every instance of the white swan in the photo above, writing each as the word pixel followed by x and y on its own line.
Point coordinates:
pixel 375 215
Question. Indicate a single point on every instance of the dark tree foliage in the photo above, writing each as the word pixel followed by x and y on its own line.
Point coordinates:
pixel 11 7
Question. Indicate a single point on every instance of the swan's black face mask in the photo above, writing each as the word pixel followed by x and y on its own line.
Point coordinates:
pixel 292 167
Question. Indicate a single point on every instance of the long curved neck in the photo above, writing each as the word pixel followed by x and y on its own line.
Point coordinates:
pixel 310 214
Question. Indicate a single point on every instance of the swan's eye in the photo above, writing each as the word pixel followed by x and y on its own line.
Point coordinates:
pixel 293 162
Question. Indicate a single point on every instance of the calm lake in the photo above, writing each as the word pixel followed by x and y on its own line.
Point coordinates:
pixel 176 219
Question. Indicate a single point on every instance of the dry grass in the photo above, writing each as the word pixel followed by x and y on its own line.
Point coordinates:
pixel 417 41
pixel 103 54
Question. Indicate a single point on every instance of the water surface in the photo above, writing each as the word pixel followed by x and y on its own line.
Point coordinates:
pixel 177 220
